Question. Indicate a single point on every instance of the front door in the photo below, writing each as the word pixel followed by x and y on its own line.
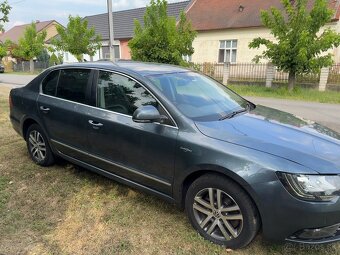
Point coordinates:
pixel 141 152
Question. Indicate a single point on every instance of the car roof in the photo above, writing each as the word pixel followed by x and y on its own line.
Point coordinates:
pixel 141 68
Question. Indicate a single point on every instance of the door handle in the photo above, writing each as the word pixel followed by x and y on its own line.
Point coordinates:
pixel 44 109
pixel 95 124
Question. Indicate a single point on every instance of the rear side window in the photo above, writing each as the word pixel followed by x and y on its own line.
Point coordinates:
pixel 73 84
pixel 49 84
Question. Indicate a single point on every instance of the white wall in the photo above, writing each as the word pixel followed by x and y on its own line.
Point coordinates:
pixel 207 43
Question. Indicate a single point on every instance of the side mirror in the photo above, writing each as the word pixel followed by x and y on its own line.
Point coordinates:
pixel 147 114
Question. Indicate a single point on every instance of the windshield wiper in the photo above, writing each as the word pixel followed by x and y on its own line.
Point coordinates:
pixel 234 113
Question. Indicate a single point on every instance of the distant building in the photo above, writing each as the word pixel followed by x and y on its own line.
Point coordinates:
pixel 15 33
pixel 226 27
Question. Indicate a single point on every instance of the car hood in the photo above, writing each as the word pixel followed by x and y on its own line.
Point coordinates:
pixel 281 134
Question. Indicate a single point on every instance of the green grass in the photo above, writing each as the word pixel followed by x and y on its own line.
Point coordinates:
pixel 65 209
pixel 283 93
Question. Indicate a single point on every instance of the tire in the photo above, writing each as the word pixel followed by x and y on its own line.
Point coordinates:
pixel 38 146
pixel 233 222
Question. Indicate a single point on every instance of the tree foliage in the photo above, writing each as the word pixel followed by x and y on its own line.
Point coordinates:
pixel 161 39
pixel 43 56
pixel 77 38
pixel 5 8
pixel 30 45
pixel 301 38
pixel 4 48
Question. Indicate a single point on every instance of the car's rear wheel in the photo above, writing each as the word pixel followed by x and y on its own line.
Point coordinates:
pixel 221 211
pixel 38 147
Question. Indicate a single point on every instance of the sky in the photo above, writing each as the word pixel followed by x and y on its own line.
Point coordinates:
pixel 26 11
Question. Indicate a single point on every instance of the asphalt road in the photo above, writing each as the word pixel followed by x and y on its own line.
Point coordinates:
pixel 326 114
pixel 16 79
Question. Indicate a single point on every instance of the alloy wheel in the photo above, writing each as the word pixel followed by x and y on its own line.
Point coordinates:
pixel 37 146
pixel 218 214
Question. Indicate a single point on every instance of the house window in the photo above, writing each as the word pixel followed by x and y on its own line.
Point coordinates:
pixel 228 51
pixel 106 52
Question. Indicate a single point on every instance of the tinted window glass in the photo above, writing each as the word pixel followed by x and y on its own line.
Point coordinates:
pixel 121 94
pixel 73 84
pixel 49 84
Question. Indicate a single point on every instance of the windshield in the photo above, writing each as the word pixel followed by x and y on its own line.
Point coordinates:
pixel 199 97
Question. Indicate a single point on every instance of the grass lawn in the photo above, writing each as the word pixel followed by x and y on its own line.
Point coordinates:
pixel 65 209
pixel 283 93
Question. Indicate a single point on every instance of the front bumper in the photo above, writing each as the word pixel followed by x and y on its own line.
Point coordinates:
pixel 286 218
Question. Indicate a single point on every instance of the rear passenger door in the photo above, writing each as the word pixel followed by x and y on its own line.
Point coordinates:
pixel 63 105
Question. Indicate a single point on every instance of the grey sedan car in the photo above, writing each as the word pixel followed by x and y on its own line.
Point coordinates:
pixel 235 167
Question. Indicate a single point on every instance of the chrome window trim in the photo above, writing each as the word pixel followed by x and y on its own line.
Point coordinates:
pixel 112 163
pixel 98 108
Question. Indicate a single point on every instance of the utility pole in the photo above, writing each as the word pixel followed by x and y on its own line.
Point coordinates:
pixel 111 46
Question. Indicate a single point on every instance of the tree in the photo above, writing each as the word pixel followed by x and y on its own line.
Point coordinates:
pixel 43 56
pixel 4 48
pixel 301 41
pixel 161 40
pixel 77 38
pixel 30 45
pixel 54 60
pixel 4 9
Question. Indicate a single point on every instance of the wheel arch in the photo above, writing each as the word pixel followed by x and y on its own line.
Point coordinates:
pixel 199 171
pixel 27 121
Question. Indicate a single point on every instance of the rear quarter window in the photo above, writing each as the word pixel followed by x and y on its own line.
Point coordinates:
pixel 49 84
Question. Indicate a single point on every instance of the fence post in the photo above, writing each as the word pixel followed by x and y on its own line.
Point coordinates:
pixel 323 78
pixel 226 70
pixel 270 74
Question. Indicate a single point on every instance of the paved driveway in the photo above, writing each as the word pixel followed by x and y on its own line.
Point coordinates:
pixel 326 114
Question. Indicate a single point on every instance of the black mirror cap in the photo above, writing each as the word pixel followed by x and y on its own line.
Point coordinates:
pixel 147 114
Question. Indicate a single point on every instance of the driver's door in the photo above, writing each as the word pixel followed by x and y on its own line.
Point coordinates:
pixel 141 152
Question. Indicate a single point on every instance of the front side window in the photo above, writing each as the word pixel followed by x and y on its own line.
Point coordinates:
pixel 227 51
pixel 49 85
pixel 121 94
pixel 73 84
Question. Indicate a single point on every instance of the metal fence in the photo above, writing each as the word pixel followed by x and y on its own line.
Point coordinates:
pixel 257 73
pixel 214 70
pixel 334 75
pixel 247 72
pixel 312 78
pixel 24 66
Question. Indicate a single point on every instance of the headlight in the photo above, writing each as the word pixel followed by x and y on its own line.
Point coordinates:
pixel 312 187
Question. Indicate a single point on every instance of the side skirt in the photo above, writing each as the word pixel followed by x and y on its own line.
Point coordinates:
pixel 118 178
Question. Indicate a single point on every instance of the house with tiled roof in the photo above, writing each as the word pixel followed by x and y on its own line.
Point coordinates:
pixel 15 33
pixel 226 27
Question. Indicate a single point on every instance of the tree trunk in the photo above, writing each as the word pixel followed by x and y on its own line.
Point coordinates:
pixel 291 80
pixel 31 66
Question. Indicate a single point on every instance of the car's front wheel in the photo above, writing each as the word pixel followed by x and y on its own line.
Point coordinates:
pixel 38 147
pixel 221 211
